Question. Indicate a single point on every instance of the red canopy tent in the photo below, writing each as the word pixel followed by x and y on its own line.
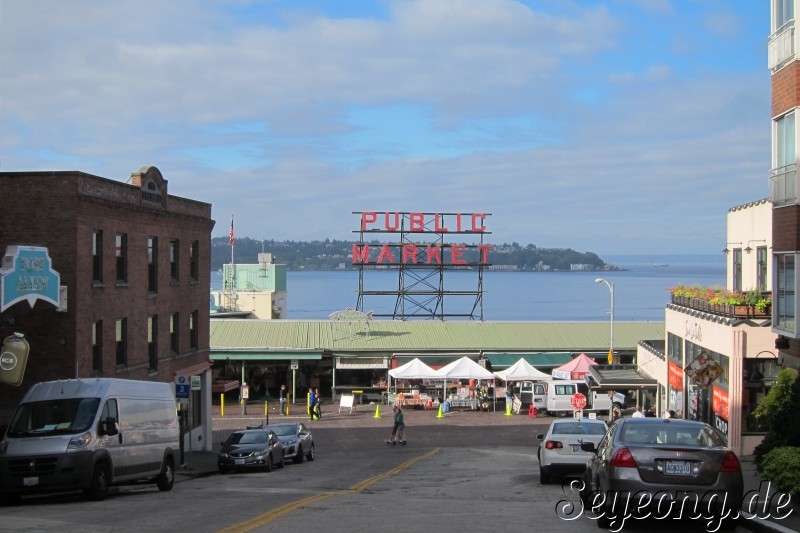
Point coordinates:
pixel 575 369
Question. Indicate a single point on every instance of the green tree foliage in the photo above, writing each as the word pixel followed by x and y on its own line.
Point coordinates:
pixel 782 467
pixel 331 254
pixel 780 409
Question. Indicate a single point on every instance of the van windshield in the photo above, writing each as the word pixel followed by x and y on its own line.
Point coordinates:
pixel 62 416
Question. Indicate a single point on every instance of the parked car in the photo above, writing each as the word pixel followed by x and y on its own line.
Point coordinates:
pixel 297 440
pixel 663 460
pixel 250 449
pixel 560 448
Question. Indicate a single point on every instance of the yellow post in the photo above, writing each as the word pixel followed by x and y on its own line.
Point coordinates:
pixel 222 404
pixel 265 408
pixel 508 408
pixel 287 405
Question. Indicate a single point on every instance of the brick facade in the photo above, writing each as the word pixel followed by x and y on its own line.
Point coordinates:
pixel 61 211
pixel 786 89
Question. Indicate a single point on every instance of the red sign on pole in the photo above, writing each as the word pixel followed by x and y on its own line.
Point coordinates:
pixel 578 401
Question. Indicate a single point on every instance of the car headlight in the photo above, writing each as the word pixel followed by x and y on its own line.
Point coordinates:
pixel 3 446
pixel 223 454
pixel 79 441
pixel 291 442
pixel 262 453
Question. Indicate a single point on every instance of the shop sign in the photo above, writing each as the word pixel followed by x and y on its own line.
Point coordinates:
pixel 703 370
pixel 675 376
pixel 719 402
pixel 27 274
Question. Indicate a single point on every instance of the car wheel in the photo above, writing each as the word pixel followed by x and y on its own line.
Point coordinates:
pixel 166 478
pixel 603 520
pixel 12 498
pixel 298 457
pixel 223 470
pixel 98 490
pixel 544 475
pixel 311 454
pixel 728 524
pixel 268 466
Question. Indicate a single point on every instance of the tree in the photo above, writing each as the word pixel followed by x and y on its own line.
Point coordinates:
pixel 781 412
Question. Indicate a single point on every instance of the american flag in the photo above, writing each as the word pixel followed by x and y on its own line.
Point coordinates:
pixel 230 232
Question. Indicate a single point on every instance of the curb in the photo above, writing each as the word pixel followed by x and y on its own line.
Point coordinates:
pixel 762 525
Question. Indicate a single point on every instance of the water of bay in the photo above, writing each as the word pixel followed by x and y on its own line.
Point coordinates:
pixel 640 291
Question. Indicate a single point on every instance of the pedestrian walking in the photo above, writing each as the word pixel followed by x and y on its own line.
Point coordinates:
pixel 317 404
pixel 312 402
pixel 399 428
pixel 282 398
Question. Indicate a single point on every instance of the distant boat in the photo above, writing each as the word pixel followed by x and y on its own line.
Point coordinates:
pixel 660 265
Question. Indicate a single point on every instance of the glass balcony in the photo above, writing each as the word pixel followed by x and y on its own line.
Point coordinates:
pixel 780 49
pixel 783 185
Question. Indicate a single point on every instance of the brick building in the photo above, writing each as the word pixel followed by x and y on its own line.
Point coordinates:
pixel 134 274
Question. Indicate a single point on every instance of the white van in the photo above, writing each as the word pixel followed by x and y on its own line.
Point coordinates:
pixel 89 434
pixel 532 393
pixel 560 392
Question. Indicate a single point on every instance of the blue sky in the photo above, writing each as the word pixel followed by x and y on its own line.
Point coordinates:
pixel 617 126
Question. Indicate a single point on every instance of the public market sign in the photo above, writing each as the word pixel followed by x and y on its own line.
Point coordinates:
pixel 406 252
pixel 27 274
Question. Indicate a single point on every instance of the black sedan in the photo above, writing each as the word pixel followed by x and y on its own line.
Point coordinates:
pixel 297 440
pixel 669 467
pixel 250 449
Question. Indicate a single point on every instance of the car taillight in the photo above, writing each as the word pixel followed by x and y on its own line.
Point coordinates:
pixel 552 444
pixel 623 459
pixel 731 463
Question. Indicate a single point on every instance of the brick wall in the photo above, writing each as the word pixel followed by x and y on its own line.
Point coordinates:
pixel 786 89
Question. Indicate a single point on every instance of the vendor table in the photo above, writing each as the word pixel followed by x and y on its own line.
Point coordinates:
pixel 471 403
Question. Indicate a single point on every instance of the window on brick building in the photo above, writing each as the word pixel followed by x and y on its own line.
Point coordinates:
pixel 174 254
pixel 121 255
pixel 174 329
pixel 194 264
pixel 97 256
pixel 122 341
pixel 193 330
pixel 152 343
pixel 152 264
pixel 97 346
pixel 783 301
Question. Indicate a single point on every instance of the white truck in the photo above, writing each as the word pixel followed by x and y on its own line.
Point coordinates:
pixel 560 393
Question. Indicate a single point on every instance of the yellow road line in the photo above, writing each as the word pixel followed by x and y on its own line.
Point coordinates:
pixel 283 510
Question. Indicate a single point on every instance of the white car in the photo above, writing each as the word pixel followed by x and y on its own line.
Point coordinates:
pixel 560 448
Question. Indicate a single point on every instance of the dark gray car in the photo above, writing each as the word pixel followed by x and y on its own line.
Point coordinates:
pixel 298 442
pixel 663 467
pixel 250 449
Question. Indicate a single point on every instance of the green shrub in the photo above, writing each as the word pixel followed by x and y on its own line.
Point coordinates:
pixel 779 410
pixel 782 467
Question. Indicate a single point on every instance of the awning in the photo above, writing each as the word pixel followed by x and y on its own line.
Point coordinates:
pixel 264 355
pixel 618 377
pixel 501 361
pixel 358 363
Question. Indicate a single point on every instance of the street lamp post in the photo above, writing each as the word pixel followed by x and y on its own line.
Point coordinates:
pixel 611 345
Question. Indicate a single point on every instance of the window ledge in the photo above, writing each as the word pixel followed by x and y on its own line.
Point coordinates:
pixel 122 284
pixel 98 284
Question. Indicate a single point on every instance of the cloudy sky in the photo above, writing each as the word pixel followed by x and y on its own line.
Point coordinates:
pixel 615 126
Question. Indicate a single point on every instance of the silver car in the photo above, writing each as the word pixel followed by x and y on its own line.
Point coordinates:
pixel 560 448
pixel 662 468
pixel 297 440
pixel 250 449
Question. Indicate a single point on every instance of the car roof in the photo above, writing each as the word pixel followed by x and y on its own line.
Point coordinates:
pixel 656 421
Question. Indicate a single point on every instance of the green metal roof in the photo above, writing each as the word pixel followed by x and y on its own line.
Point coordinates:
pixel 501 361
pixel 393 336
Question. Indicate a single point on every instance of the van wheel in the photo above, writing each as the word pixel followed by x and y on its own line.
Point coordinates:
pixel 298 457
pixel 166 478
pixel 98 490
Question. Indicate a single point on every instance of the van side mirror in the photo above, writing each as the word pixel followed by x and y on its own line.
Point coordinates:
pixel 108 427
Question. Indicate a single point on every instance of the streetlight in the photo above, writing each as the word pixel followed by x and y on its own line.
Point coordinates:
pixel 611 346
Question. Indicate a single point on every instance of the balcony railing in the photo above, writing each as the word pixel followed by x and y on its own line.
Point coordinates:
pixel 781 46
pixel 783 185
pixel 744 311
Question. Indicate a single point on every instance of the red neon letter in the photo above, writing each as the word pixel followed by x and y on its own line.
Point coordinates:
pixel 385 252
pixel 484 248
pixel 416 222
pixel 433 254
pixel 360 256
pixel 475 218
pixel 457 254
pixel 458 223
pixel 410 253
pixel 368 217
pixel 440 223
pixel 396 225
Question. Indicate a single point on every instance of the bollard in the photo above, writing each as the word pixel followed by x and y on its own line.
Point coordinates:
pixel 222 404
pixel 265 408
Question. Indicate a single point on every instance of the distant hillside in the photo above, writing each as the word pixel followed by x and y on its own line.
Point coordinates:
pixel 331 254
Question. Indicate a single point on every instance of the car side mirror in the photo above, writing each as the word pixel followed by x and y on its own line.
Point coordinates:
pixel 588 447
pixel 540 436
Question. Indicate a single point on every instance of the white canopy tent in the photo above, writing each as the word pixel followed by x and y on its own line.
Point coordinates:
pixel 522 370
pixel 464 368
pixel 414 369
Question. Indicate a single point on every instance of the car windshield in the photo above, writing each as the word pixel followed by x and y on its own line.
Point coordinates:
pixel 253 437
pixel 70 415
pixel 284 431
pixel 578 428
pixel 694 435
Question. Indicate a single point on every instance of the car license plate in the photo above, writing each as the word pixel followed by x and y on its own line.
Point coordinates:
pixel 678 468
pixel 30 481
pixel 576 448
pixel 238 461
